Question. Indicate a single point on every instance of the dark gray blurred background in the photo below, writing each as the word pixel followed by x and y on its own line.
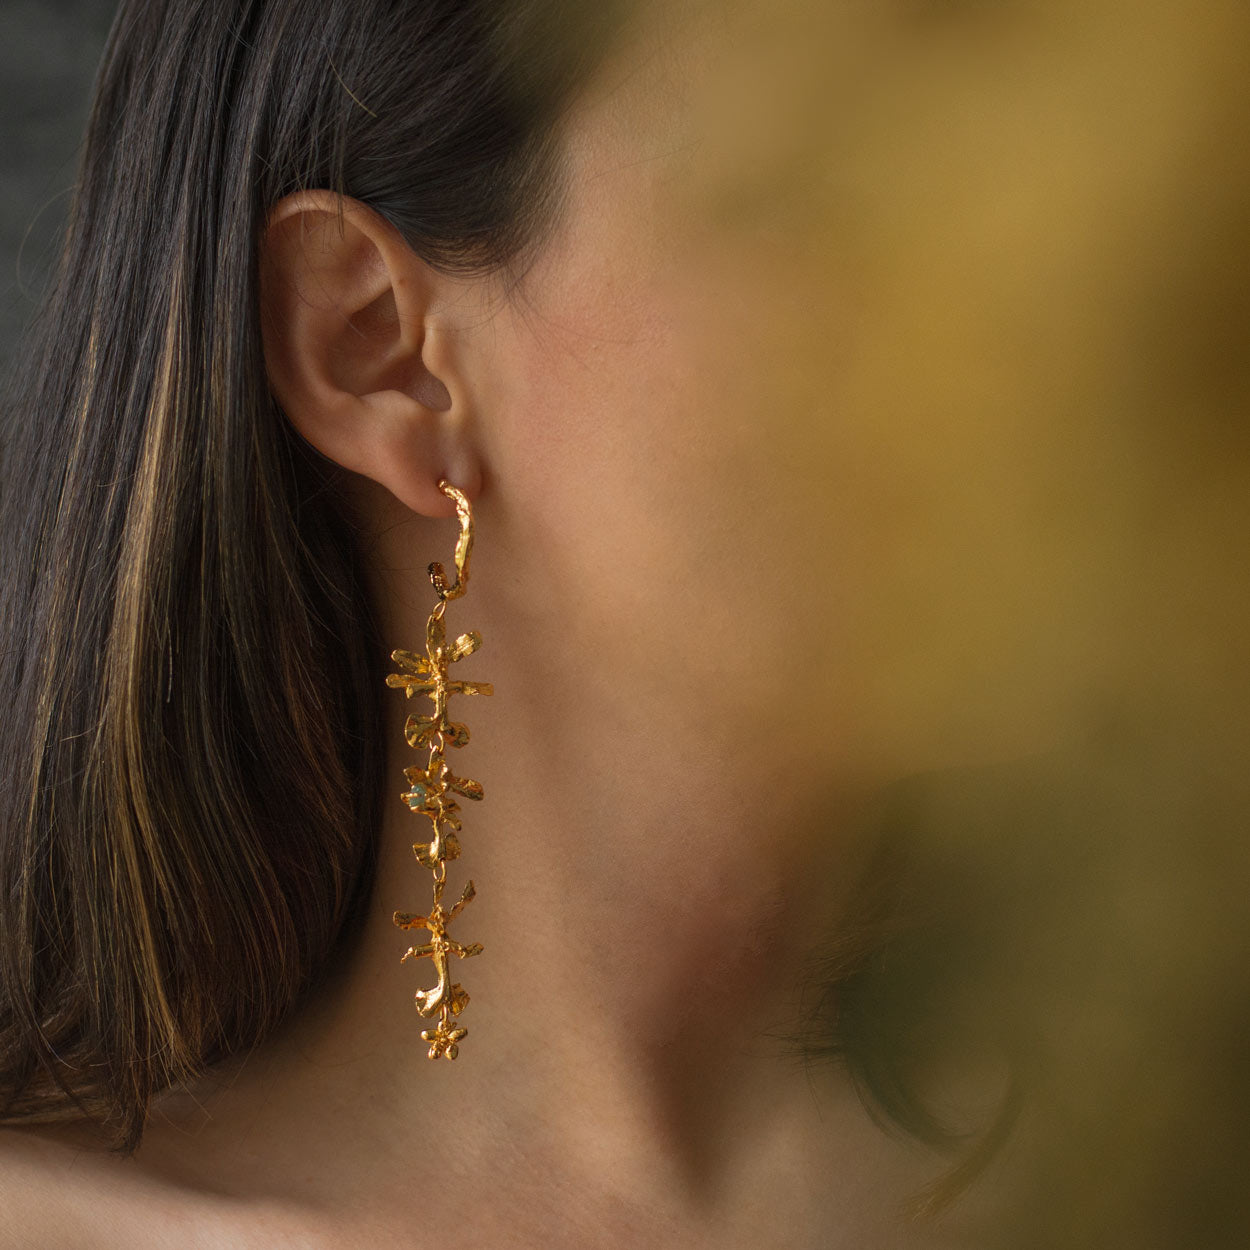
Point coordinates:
pixel 48 55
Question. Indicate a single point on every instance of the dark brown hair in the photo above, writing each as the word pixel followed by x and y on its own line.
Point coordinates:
pixel 190 667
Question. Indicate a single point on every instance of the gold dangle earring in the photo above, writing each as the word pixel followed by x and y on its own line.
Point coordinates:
pixel 431 789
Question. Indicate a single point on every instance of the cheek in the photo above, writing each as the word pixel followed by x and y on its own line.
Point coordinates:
pixel 839 478
pixel 682 522
pixel 768 505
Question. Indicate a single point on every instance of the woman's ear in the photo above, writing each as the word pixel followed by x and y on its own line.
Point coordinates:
pixel 362 367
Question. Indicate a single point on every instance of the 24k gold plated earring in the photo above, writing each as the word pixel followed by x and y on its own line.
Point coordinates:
pixel 432 788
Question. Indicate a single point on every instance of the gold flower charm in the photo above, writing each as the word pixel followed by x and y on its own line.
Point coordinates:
pixel 437 949
pixel 431 789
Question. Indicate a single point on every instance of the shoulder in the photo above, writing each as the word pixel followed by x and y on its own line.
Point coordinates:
pixel 44 1192
pixel 59 1190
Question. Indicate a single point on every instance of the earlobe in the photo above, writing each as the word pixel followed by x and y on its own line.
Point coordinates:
pixel 348 338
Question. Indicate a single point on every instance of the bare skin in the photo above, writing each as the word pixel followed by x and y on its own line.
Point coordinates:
pixel 729 583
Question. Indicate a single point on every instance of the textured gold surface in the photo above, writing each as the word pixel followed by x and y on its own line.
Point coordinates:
pixel 431 788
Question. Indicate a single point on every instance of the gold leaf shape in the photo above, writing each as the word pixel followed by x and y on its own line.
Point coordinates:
pixel 420 731
pixel 410 685
pixel 413 662
pixel 470 687
pixel 431 853
pixel 435 637
pixel 462 785
pixel 466 644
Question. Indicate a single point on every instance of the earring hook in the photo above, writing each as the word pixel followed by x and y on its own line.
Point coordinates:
pixel 464 545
